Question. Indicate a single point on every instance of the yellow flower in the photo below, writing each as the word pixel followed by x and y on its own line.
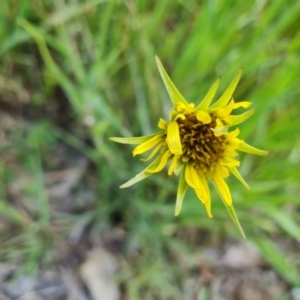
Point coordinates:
pixel 197 142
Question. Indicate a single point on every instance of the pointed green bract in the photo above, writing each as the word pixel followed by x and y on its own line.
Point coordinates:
pixel 235 219
pixel 224 99
pixel 237 119
pixel 171 88
pixel 142 175
pixel 250 149
pixel 237 174
pixel 182 187
pixel 134 140
pixel 209 96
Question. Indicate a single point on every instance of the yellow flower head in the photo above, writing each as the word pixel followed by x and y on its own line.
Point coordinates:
pixel 197 142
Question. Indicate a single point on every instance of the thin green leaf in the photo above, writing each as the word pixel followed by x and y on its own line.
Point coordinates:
pixel 285 221
pixel 278 260
pixel 71 11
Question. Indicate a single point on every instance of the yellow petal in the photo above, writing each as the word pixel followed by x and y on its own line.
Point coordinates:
pixel 241 118
pixel 161 165
pixel 173 138
pixel 198 182
pixel 244 104
pixel 233 144
pixel 134 140
pixel 236 173
pixel 226 198
pixel 172 165
pixel 225 111
pixel 147 145
pixel 230 162
pixel 182 187
pixel 162 124
pixel 209 96
pixel 204 194
pixel 203 116
pixel 179 116
pixel 233 134
pixel 171 88
pixel 191 177
pixel 223 100
pixel 249 149
pixel 199 195
pixel 204 187
pixel 227 120
pixel 223 189
pixel 208 209
pixel 207 204
pixel 185 108
pixel 222 171
pixel 155 150
pixel 219 124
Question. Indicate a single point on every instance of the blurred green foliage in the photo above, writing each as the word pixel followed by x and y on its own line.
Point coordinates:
pixel 88 68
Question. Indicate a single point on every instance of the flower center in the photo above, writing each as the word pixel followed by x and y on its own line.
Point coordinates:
pixel 199 144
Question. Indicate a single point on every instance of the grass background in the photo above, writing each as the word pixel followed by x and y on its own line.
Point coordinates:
pixel 74 73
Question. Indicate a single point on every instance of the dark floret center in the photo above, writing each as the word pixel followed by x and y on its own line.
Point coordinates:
pixel 199 144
